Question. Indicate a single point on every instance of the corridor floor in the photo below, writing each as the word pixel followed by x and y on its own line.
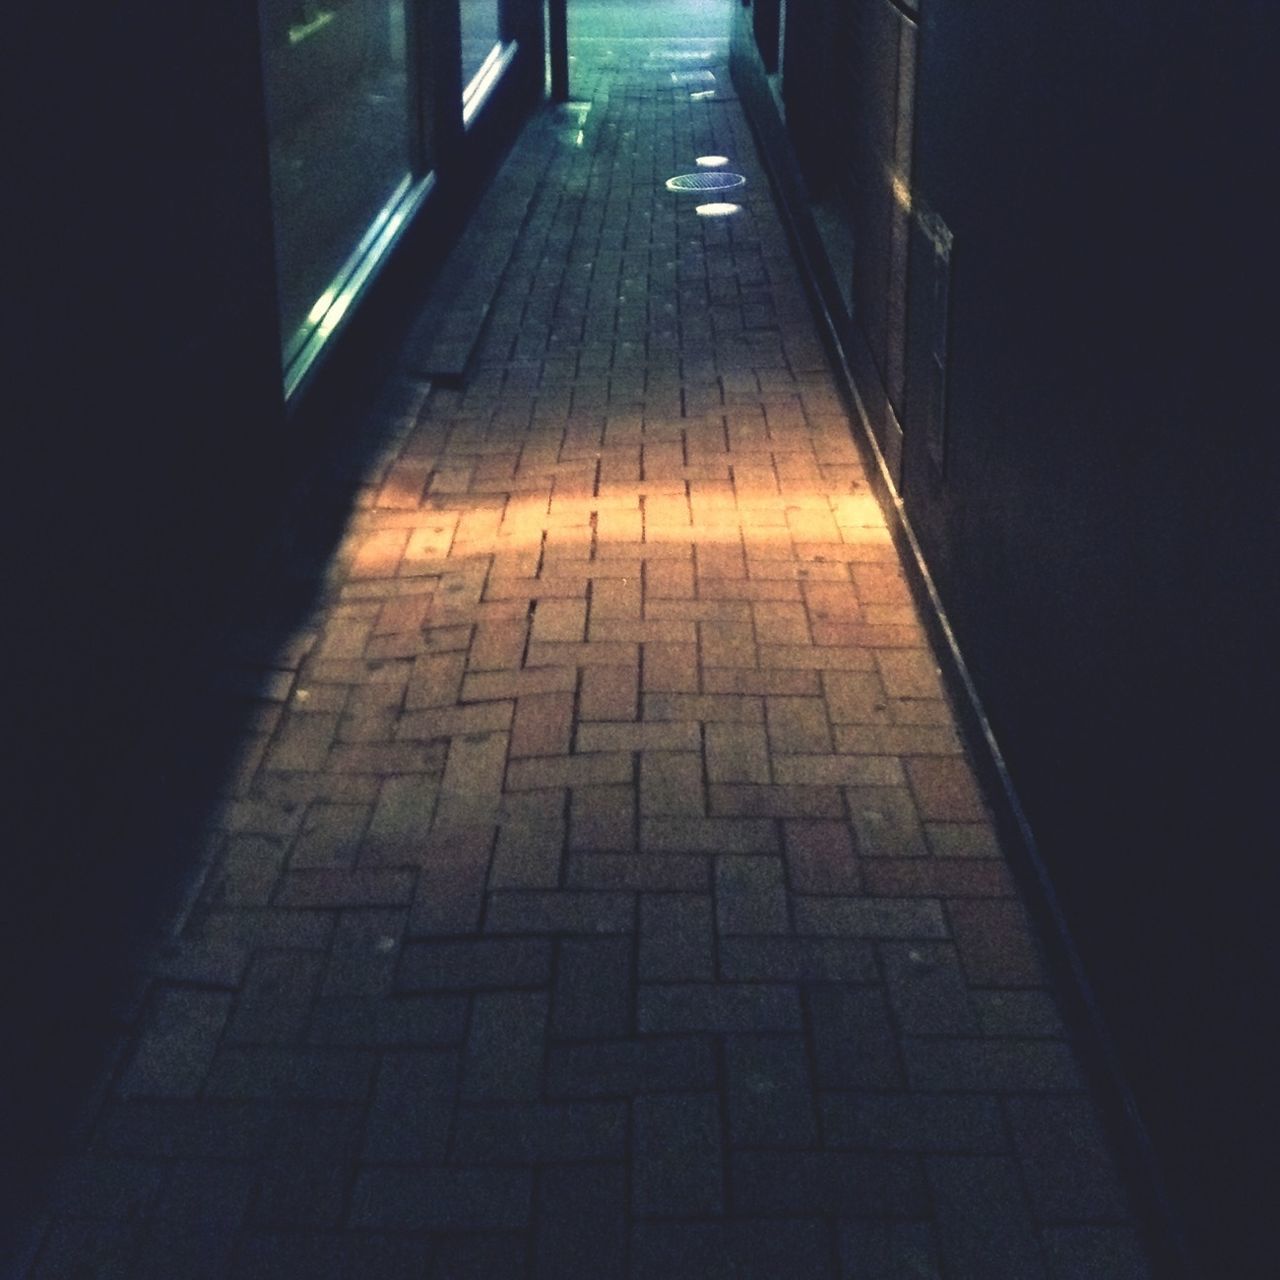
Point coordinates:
pixel 602 889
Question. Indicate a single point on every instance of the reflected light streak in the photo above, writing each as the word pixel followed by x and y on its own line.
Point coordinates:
pixel 717 209
pixel 301 31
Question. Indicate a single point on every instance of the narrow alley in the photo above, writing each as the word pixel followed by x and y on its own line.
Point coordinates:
pixel 602 888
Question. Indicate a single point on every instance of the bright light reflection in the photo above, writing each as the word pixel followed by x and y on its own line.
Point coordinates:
pixel 711 162
pixel 717 209
pixel 322 304
pixel 702 95
pixel 302 30
pixel 483 80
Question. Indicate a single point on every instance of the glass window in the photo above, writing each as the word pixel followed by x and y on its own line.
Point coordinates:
pixel 481 23
pixel 340 146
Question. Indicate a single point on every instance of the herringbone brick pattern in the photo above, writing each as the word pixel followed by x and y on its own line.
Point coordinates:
pixel 603 890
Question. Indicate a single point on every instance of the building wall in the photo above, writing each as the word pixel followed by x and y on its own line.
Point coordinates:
pixel 1092 485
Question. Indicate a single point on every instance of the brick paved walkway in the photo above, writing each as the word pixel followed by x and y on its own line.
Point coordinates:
pixel 603 890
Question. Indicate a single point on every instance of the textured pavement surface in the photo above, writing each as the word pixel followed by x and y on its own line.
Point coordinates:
pixel 602 889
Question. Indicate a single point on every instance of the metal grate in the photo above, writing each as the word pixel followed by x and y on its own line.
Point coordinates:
pixel 706 182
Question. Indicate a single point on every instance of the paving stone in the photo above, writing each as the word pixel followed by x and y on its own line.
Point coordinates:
pixel 677 1167
pixel 102 1250
pixel 708 835
pixel 793 801
pixel 471 790
pixel 945 790
pixel 913 1122
pixel 854 1043
pixel 275 1003
pixel 622 1068
pixel 401 820
pixel 1081 1253
pixel 449 897
pixel 927 989
pixel 405 1198
pixel 710 708
pixel 330 836
pixel 637 872
pixel 691 1007
pixel 995 943
pixel 838 771
pixel 581 1223
pixel 1017 1013
pixel 403 1021
pixel 448 722
pixel 984 1226
pixel 820 858
pixel 798 725
pixel 675 938
pixel 737 753
pixel 269 1073
pixel 336 887
pixel 765 959
pixel 505 1046
pixel 200 1250
pixel 770 1092
pixel 937 877
pixel 869 917
pixel 962 840
pixel 303 1182
pixel 528 856
pixel 592 994
pixel 539 1133
pixel 563 911
pixel 362 959
pixel 478 1256
pixel 609 693
pixel 413 1103
pixel 978 1066
pixel 177 1047
pixel 569 771
pixel 192 962
pixel 843 1184
pixel 603 819
pixel 475 964
pixel 751 897
pixel 888 1251
pixel 99 1186
pixel 669 668
pixel 908 674
pixel 735 1249
pixel 1066 1167
pixel 671 782
pixel 543 724
pixel 885 822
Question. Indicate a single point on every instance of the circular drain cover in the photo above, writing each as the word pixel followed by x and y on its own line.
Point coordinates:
pixel 706 182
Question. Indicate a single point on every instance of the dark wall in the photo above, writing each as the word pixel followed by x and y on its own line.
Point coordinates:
pixel 1088 461
pixel 1095 506
pixel 144 432
pixel 148 452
